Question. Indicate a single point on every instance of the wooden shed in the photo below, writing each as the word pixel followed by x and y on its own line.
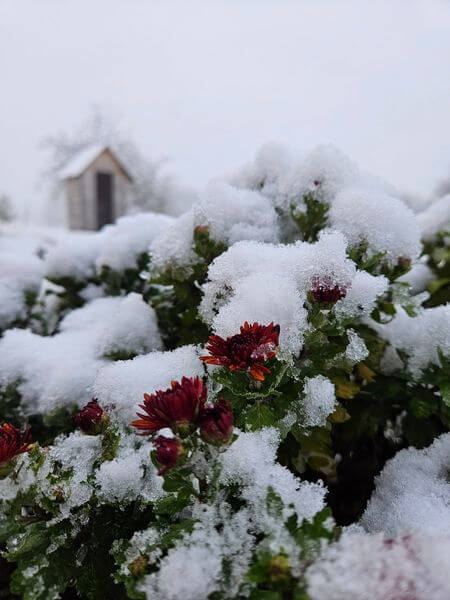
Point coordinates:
pixel 96 188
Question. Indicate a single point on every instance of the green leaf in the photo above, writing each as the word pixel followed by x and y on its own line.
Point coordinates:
pixel 265 595
pixel 240 383
pixel 437 284
pixel 110 442
pixel 422 408
pixel 445 393
pixel 388 308
pixel 274 503
pixel 171 505
pixel 35 536
pixel 258 416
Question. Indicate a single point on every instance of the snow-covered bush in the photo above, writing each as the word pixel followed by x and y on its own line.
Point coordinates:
pixel 250 400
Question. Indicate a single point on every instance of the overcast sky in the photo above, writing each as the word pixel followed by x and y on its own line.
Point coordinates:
pixel 207 82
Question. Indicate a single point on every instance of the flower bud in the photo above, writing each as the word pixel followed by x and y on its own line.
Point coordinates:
pixel 92 419
pixel 12 443
pixel 279 569
pixel 216 423
pixel 169 453
pixel 138 566
pixel 327 292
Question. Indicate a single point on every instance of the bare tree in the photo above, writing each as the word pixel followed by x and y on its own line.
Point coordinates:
pixel 151 189
pixel 6 211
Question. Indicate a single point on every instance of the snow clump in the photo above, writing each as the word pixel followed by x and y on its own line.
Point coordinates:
pixel 373 567
pixel 87 334
pixel 412 493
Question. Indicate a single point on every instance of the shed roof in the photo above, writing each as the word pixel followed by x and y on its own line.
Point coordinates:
pixel 83 159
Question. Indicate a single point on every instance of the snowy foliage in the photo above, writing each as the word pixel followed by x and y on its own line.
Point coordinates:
pixel 283 348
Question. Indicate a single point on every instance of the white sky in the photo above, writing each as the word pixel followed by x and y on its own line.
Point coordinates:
pixel 207 82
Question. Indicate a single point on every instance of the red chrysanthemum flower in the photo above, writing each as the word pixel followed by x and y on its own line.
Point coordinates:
pixel 12 443
pixel 325 291
pixel 245 351
pixel 177 407
pixel 91 419
pixel 169 452
pixel 216 423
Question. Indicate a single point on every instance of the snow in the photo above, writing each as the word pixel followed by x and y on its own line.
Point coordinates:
pixel 26 240
pixel 21 266
pixel 131 327
pixel 193 569
pixel 232 215
pixel 420 337
pixel 324 173
pixel 123 383
pixel 418 277
pixel 372 567
pixel 361 206
pixel 256 279
pixel 384 222
pixel 263 282
pixel 24 479
pixel 81 161
pixel 356 350
pixel 103 325
pixel 72 473
pixel 265 299
pixel 412 493
pixel 77 453
pixel 74 256
pixel 435 218
pixel 143 543
pixel 190 572
pixel 173 248
pixel 129 237
pixel 229 214
pixel 362 295
pixel 251 462
pixel 30 361
pixel 266 173
pixel 80 255
pixel 19 273
pixel 130 476
pixel 319 400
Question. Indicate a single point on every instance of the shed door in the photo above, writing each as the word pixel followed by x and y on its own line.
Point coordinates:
pixel 105 199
